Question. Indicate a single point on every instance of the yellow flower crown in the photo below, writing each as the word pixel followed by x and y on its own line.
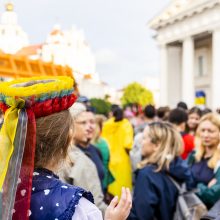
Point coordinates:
pixel 45 95
pixel 26 87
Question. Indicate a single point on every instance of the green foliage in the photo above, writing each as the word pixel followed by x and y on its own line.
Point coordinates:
pixel 107 97
pixel 138 94
pixel 101 106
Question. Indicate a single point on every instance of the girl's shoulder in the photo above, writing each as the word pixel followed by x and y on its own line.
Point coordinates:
pixel 86 211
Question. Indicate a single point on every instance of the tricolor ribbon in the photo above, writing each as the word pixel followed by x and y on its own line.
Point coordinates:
pixel 7 136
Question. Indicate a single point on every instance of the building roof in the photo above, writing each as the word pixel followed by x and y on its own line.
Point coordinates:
pixel 87 76
pixel 29 50
pixel 56 30
pixel 178 10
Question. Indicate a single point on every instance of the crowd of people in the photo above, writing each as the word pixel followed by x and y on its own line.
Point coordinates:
pixel 141 151
pixel 181 143
pixel 86 164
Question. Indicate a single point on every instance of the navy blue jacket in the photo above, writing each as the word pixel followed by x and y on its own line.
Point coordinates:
pixel 155 195
pixel 52 199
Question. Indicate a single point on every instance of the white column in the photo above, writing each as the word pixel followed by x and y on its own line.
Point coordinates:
pixel 215 91
pixel 163 75
pixel 175 75
pixel 188 89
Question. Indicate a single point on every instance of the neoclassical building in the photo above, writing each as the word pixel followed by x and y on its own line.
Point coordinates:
pixel 188 35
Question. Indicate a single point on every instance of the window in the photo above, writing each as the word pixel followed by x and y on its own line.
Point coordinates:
pixel 201 62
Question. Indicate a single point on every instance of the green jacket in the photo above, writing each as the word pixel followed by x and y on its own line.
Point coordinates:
pixel 208 195
pixel 103 147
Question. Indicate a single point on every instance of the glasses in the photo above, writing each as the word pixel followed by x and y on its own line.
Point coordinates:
pixel 81 122
pixel 84 122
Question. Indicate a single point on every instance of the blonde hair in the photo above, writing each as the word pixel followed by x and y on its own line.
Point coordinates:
pixel 169 145
pixel 200 149
pixel 99 119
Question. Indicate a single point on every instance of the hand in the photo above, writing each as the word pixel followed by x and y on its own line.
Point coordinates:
pixel 212 182
pixel 119 210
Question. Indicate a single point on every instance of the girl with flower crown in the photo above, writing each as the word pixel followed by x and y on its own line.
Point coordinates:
pixel 34 140
pixel 51 198
pixel 154 193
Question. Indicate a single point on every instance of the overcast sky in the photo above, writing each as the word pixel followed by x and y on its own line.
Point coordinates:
pixel 116 30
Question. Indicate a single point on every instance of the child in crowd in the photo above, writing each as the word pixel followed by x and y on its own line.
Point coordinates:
pixel 50 152
pixel 41 126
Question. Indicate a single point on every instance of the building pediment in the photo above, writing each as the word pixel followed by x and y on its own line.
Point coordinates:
pixel 178 10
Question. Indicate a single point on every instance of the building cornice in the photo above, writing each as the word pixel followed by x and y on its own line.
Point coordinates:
pixel 197 25
pixel 158 23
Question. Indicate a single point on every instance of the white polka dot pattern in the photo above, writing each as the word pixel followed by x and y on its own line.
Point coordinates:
pixel 46 192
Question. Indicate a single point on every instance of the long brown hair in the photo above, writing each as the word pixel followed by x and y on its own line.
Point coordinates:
pixel 52 138
pixel 169 143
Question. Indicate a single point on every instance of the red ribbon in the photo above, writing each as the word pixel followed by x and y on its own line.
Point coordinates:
pixel 23 194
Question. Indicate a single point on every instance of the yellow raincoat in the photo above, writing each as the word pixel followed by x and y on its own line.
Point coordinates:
pixel 120 138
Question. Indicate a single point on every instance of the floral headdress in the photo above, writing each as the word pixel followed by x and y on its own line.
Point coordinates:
pixel 23 101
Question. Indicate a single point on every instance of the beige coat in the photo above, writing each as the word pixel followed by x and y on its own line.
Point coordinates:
pixel 83 173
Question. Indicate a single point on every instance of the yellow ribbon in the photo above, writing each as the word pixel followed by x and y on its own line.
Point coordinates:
pixel 7 136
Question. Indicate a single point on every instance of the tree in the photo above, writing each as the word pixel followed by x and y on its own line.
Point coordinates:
pixel 101 106
pixel 135 93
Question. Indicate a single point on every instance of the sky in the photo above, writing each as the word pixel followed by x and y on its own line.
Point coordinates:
pixel 116 30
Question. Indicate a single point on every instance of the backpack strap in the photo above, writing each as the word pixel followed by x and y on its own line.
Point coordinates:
pixel 181 189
